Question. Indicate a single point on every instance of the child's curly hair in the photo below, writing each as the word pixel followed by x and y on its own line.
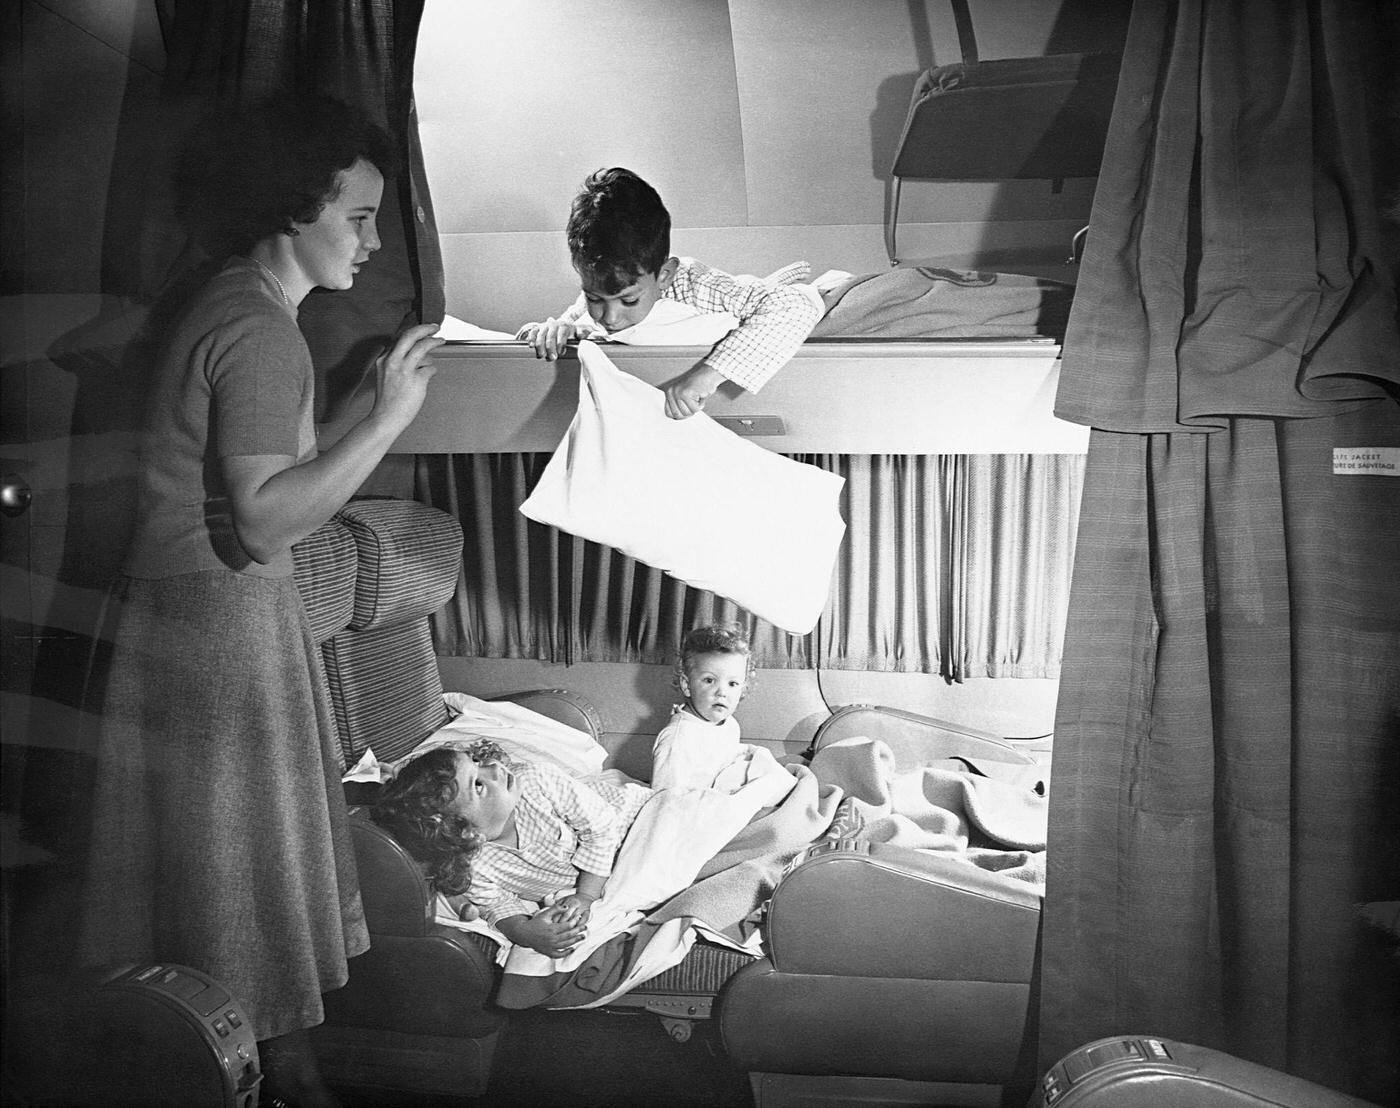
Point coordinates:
pixel 412 809
pixel 716 638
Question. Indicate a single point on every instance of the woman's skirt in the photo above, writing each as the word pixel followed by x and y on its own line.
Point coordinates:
pixel 220 839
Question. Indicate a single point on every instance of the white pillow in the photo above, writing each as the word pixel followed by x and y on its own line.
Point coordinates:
pixel 693 499
pixel 522 733
pixel 671 323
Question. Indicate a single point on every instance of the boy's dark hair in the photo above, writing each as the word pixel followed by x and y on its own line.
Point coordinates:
pixel 248 173
pixel 716 638
pixel 618 229
pixel 411 809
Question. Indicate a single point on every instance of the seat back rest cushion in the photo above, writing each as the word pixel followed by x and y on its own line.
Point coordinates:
pixel 382 669
pixel 410 556
pixel 385 689
pixel 562 706
pixel 324 565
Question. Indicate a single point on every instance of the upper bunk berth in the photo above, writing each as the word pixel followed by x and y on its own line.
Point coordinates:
pixel 903 396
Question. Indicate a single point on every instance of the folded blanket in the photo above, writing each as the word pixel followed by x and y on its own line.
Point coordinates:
pixel 948 807
pixel 927 302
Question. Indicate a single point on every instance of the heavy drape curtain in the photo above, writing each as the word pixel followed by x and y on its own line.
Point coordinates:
pixel 1227 751
pixel 957 565
pixel 236 51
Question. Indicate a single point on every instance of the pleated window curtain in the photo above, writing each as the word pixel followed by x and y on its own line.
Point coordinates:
pixel 952 564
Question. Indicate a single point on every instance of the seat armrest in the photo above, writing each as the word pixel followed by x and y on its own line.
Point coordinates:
pixel 861 909
pixel 439 984
pixel 397 896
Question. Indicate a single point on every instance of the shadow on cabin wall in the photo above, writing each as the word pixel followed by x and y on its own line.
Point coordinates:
pixel 83 279
pixel 1081 27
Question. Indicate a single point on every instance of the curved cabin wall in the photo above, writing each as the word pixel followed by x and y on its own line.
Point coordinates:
pixel 768 126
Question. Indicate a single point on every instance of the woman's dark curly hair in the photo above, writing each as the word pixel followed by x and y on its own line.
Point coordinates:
pixel 411 808
pixel 248 173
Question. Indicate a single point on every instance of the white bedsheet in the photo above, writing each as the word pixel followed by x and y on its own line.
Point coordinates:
pixel 674 835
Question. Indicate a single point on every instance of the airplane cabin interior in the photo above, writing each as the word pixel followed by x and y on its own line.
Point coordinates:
pixel 944 650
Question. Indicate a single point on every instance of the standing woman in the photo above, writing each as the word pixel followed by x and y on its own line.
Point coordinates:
pixel 220 838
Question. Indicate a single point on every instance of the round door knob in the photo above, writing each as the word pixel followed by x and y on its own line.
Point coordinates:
pixel 14 496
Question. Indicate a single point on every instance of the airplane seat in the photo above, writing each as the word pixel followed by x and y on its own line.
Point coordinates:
pixel 414 1015
pixel 898 969
pixel 892 976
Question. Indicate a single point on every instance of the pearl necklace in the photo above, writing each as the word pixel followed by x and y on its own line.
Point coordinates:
pixel 287 300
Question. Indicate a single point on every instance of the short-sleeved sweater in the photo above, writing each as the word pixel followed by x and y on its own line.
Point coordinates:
pixel 234 378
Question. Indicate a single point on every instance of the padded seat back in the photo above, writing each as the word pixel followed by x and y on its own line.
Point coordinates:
pixel 324 566
pixel 379 659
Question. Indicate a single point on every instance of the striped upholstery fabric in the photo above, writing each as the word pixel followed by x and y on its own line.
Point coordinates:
pixel 386 689
pixel 381 666
pixel 324 568
pixel 410 555
pixel 702 973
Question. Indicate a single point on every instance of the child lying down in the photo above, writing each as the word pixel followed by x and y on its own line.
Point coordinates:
pixel 531 851
pixel 692 860
pixel 499 834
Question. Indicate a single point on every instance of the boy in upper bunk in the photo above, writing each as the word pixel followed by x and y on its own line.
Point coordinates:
pixel 508 836
pixel 700 747
pixel 619 235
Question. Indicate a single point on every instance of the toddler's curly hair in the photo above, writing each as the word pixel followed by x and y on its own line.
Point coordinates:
pixel 715 638
pixel 413 805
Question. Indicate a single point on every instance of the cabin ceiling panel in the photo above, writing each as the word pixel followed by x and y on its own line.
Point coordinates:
pixel 823 90
pixel 519 102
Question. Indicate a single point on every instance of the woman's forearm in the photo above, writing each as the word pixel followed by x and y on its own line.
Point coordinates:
pixel 277 502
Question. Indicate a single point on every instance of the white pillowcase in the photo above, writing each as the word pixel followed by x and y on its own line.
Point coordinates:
pixel 671 323
pixel 692 498
pixel 522 733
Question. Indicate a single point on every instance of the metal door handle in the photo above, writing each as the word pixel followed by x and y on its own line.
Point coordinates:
pixel 15 496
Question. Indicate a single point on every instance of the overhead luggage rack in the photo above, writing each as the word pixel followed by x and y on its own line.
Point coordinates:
pixel 1008 118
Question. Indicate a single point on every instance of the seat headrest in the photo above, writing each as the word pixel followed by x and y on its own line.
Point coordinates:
pixel 325 565
pixel 410 556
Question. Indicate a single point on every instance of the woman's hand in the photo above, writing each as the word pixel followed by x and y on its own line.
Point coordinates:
pixel 548 338
pixel 403 374
pixel 687 394
pixel 277 500
pixel 549 931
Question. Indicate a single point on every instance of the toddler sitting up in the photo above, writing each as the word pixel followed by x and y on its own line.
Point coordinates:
pixel 700 747
pixel 506 837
